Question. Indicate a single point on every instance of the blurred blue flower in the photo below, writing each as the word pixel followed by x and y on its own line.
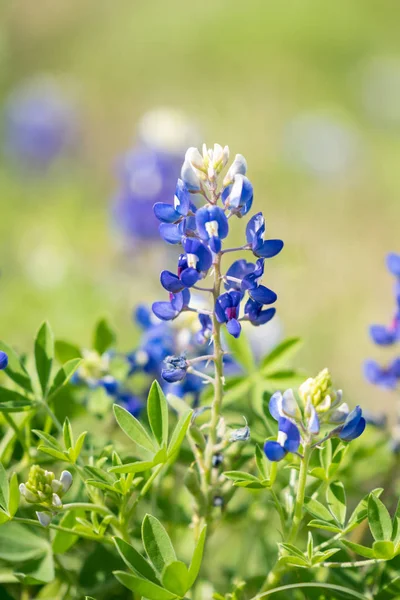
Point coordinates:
pixel 386 377
pixel 40 123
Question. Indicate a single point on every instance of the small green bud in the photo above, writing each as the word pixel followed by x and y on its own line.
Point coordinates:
pixel 43 488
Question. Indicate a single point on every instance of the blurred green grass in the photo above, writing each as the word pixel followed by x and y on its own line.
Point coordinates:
pixel 243 71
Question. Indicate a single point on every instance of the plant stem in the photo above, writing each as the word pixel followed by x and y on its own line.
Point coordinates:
pixel 105 539
pixel 52 416
pixel 274 576
pixel 301 491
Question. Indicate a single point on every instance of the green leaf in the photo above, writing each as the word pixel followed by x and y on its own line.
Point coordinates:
pixel 4 489
pixel 67 434
pixel 135 561
pixel 179 433
pixel 197 558
pixel 37 571
pixel 44 354
pixel 14 495
pixel 17 406
pixel 396 525
pixel 79 444
pixel 133 429
pixel 135 467
pixel 242 352
pixel 63 541
pixel 63 375
pixel 7 395
pixel 157 543
pixel 325 455
pixel 54 453
pixel 261 462
pixel 318 510
pixel 292 550
pixel 361 510
pixel 241 476
pixel 358 549
pixel 324 525
pixel 64 351
pixel 379 519
pixel 175 578
pixel 294 561
pixel 15 369
pixel 48 439
pixel 18 543
pixel 157 411
pixel 336 500
pixel 383 550
pixel 143 587
pixel 281 354
pixel 103 337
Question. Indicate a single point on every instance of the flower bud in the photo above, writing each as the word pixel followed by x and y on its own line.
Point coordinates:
pixel 66 481
pixel 319 391
pixel 238 167
pixel 189 177
pixel 44 518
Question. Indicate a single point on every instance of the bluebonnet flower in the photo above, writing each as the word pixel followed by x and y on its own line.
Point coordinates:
pixel 168 311
pixel 386 377
pixel 166 213
pixel 192 266
pixel 353 426
pixel 288 440
pixel 238 196
pixel 255 238
pixel 256 314
pixel 227 311
pixel 212 226
pixel 175 370
pixel 3 360
pixel 40 123
pixel 205 332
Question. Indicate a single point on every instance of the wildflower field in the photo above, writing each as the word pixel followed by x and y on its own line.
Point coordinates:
pixel 200 300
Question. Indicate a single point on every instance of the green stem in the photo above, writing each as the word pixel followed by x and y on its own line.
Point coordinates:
pixel 102 510
pixel 321 586
pixel 280 511
pixel 18 432
pixel 274 576
pixel 350 565
pixel 52 416
pixel 301 492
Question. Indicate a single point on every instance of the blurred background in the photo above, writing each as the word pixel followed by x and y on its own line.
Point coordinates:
pixel 99 101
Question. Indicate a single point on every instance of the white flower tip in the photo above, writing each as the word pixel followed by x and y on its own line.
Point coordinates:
pixel 44 518
pixel 66 480
pixel 56 501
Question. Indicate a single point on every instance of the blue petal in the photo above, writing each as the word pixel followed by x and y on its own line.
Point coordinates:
pixel 3 360
pixel 351 424
pixel 275 405
pixel 381 335
pixel 292 442
pixel 166 213
pixel 372 371
pixel 263 317
pixel 269 248
pixel 171 282
pixel 255 228
pixel 190 277
pixel 393 263
pixel 263 295
pixel 313 422
pixel 274 451
pixel 170 233
pixel 215 245
pixel 182 198
pixel 234 327
pixel 164 311
pixel 173 375
pixel 142 316
pixel 356 431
